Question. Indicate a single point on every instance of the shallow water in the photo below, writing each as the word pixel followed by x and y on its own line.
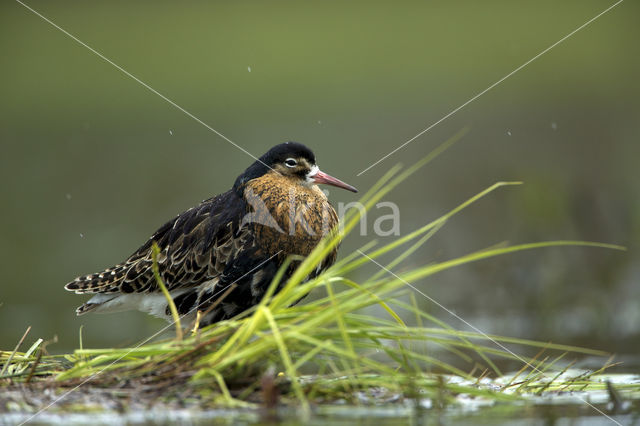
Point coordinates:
pixel 551 408
pixel 520 414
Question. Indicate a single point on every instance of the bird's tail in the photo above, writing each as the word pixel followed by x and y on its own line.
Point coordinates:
pixel 107 281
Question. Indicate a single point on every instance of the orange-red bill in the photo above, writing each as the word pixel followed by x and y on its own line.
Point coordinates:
pixel 322 177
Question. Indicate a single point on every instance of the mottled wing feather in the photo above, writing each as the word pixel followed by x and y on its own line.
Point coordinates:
pixel 213 261
pixel 195 247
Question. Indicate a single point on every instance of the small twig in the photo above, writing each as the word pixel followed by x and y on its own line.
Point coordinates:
pixel 512 382
pixel 33 367
pixel 616 401
pixel 219 300
pixel 269 389
pixel 196 323
pixel 482 375
pixel 6 365
pixel 551 382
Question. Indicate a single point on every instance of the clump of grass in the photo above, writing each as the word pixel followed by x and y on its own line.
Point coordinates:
pixel 332 347
pixel 25 366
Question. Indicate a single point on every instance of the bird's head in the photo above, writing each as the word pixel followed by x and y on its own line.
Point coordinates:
pixel 293 160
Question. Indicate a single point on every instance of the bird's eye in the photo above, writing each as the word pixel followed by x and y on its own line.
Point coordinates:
pixel 290 162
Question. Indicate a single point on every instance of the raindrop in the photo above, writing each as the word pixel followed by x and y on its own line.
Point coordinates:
pixel 171 132
pixel 249 69
pixel 81 235
pixel 509 132
pixel 554 125
pixel 319 121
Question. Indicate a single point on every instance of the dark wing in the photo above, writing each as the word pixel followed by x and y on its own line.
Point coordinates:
pixel 195 247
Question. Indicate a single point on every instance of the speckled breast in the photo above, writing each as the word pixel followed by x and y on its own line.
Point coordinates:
pixel 287 216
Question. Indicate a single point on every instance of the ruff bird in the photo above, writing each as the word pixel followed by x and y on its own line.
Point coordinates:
pixel 220 256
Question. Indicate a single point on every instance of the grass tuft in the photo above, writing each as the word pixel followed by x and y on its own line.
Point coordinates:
pixel 354 338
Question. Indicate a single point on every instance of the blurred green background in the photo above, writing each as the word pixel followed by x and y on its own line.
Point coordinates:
pixel 92 162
